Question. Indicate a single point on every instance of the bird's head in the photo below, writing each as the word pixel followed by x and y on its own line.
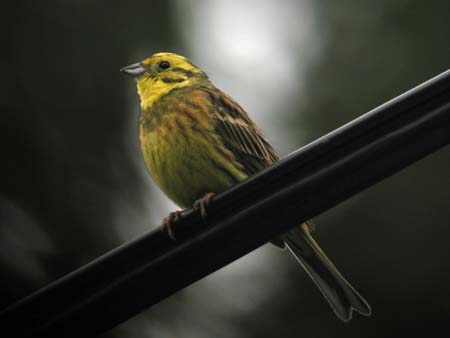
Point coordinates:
pixel 162 72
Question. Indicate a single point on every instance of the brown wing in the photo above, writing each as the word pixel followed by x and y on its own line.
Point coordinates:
pixel 240 134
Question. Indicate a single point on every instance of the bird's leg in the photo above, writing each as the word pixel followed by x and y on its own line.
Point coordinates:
pixel 168 221
pixel 203 203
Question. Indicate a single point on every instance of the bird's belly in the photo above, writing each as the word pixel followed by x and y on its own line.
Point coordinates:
pixel 187 164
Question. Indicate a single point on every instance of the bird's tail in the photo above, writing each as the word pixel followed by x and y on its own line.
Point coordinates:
pixel 342 297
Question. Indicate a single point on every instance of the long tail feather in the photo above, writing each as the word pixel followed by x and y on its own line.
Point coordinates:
pixel 341 296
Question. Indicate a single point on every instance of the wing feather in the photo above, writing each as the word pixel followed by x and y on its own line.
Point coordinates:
pixel 240 134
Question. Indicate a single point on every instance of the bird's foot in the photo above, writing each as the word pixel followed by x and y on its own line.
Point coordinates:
pixel 168 222
pixel 203 203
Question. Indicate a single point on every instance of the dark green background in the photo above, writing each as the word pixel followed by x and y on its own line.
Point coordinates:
pixel 73 185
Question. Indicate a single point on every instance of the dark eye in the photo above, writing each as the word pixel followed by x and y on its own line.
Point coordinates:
pixel 164 64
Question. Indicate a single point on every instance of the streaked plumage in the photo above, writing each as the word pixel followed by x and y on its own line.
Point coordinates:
pixel 196 140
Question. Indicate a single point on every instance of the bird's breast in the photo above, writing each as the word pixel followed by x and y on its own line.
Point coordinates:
pixel 187 160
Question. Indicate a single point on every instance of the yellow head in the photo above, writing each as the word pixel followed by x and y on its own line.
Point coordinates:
pixel 160 73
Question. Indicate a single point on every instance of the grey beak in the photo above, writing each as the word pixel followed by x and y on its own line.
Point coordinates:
pixel 134 70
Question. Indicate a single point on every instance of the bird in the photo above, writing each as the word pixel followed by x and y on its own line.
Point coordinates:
pixel 197 142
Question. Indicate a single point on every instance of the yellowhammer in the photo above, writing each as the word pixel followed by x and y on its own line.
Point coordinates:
pixel 197 141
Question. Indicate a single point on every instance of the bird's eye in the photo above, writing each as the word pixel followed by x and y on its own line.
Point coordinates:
pixel 164 64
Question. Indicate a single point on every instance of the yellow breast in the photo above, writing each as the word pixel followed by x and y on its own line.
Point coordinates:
pixel 187 161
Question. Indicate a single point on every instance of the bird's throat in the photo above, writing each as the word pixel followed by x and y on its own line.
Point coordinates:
pixel 151 90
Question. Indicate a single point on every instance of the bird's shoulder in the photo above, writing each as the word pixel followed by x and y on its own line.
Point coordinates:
pixel 238 132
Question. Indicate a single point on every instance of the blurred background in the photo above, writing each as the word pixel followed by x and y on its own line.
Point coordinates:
pixel 73 184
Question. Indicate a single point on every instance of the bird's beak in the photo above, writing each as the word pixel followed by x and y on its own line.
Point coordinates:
pixel 134 70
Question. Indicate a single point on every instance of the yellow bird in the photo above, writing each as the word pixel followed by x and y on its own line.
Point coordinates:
pixel 197 142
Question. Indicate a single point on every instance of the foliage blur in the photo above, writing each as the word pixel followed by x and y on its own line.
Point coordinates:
pixel 73 184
